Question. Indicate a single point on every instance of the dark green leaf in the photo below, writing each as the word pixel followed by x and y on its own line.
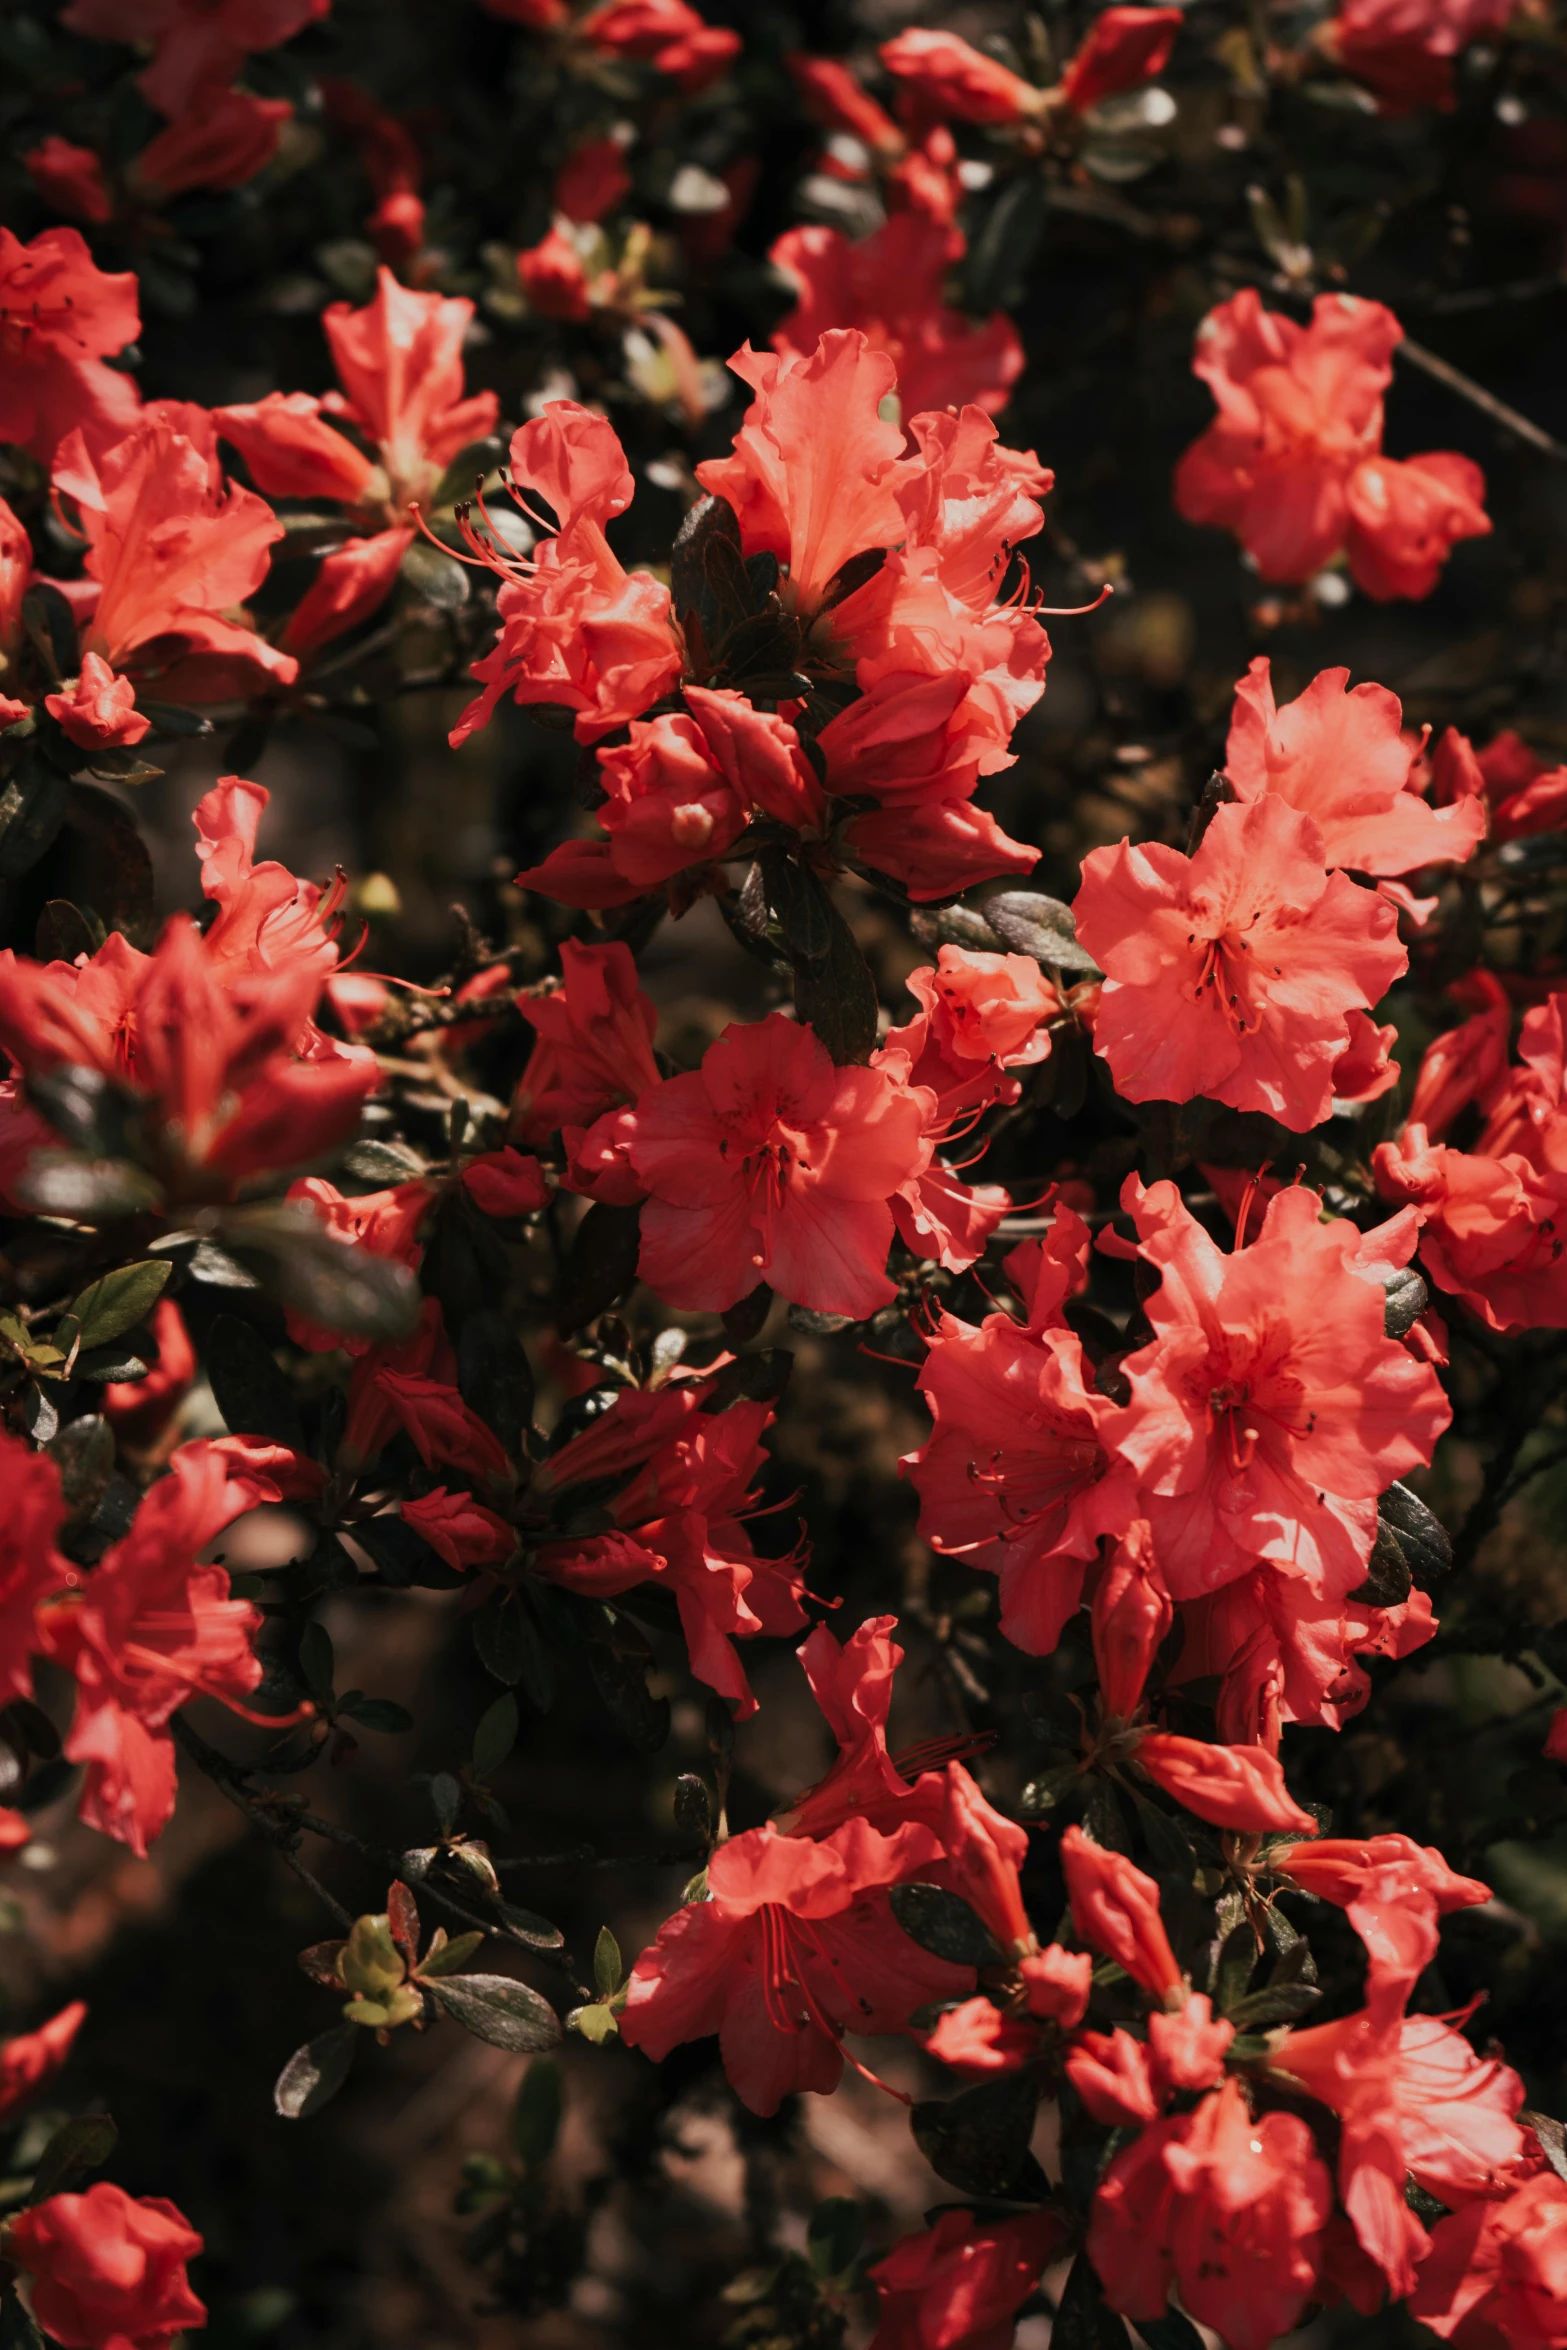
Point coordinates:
pixel 495 1736
pixel 18 2327
pixel 744 1321
pixel 1279 2003
pixel 535 2118
pixel 1173 2331
pixel 1236 1963
pixel 81 2145
pixel 107 1364
pixel 1000 254
pixel 378 1162
pixel 1421 1536
pixel 467 469
pixel 706 574
pixel 759 1378
pixel 170 719
pixel 1552 2137
pixel 63 932
pixel 101 860
pixel 693 1808
pixel 117 1301
pixel 494 2008
pixel 500 1634
pixel 979 2141
pixel 315 2073
pixel 620 1659
pixel 32 810
pixel 90 1191
pixel 833 2236
pixel 833 987
pixel 255 1397
pixel 380 1713
pixel 1407 1299
pixel 1082 2322
pixel 524 1926
pixel 607 1968
pixel 495 1377
pixel 944 1924
pixel 334 1282
pixel 602 1265
pixel 84 1109
pixel 954 926
pixel 83 1452
pixel 1387 1578
pixel 1039 926
pixel 436 579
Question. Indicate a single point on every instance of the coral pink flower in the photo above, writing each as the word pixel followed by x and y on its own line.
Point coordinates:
pixel 1232 973
pixel 1228 2208
pixel 1497 2272
pixel 140 1410
pixel 593 1048
pixel 1524 795
pixel 980 1016
pixel 959 2284
pixel 890 285
pixel 978 2040
pixel 1339 1870
pixel 60 319
pixel 835 99
pixel 1124 48
pixel 147 1631
pixel 70 178
pixel 910 744
pixel 947 76
pixel 399 361
pixel 1270 1408
pixel 445 1431
pixel 816 469
pixel 1404 520
pixel 793 1946
pixel 352 582
pixel 1238 1787
pixel 770 1164
pixel 576 628
pixel 1283 1652
pixel 1056 1983
pixel 227 141
pixel 1014 1476
pixel 32 2058
pixel 98 708
pixel 1111 2074
pixel 172 555
pixel 1491 1229
pixel 552 275
pixel 1341 759
pixel 1115 1909
pixel 1131 1614
pixel 1299 407
pixel 668 35
pixel 593 180
pixel 200 45
pixel 678 1524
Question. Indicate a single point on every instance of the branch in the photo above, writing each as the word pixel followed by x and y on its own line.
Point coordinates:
pixel 1443 372
pixel 280 1833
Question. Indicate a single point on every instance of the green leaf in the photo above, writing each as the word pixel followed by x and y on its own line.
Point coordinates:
pixel 944 1924
pixel 524 1925
pixel 18 2327
pixel 620 1659
pixel 90 1191
pixel 106 1363
pixel 833 2236
pixel 1001 253
pixel 117 1301
pixel 535 2118
pixel 436 579
pixel 495 1377
pixel 335 1282
pixel 32 810
pixel 315 2073
pixel 447 1957
pixel 379 1713
pixel 833 987
pixel 1173 2331
pixel 83 1452
pixel 601 1267
pixel 102 861
pixel 77 2146
pixel 1031 924
pixel 63 932
pixel 500 1634
pixel 495 1736
pixel 255 1397
pixel 596 2023
pixel 607 1967
pixel 978 2141
pixel 371 1962
pixel 1279 2003
pixel 505 2013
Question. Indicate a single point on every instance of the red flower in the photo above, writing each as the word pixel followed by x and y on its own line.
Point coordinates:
pixel 1237 1787
pixel 98 708
pixel 200 44
pixel 1283 1652
pixel 1228 2208
pixel 946 76
pixel 1341 759
pixel 60 319
pixel 959 2284
pixel 593 1048
pixel 1232 973
pixel 1014 1476
pixel 977 2039
pixel 445 1432
pixel 32 2058
pixel 1404 49
pixel 1525 796
pixel 1497 2272
pixel 679 1523
pixel 793 1946
pixel 1056 1983
pixel 1115 1909
pixel 148 1630
pixel 1124 47
pixel 1111 2074
pixel 1130 1617
pixel 70 178
pixel 576 628
pixel 770 1164
pixel 140 1410
pixel 835 99
pixel 352 582
pixel 912 744
pixel 1490 1228
pixel 1340 1870
pixel 30 1565
pixel 1293 462
pixel 981 1015
pixel 106 2270
pixel 1405 519
pixel 172 553
pixel 399 361
pixel 222 143
pixel 552 276
pixel 459 1529
pixel 592 180
pixel 1270 1408
pixel 890 285
pixel 665 34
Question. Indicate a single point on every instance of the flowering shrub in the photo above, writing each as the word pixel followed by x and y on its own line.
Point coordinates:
pixel 927 1328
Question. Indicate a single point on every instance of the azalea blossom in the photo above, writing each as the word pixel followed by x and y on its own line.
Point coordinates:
pixel 1404 49
pixel 29 2059
pixel 1293 462
pixel 770 1164
pixel 61 318
pixel 1270 1408
pixel 1233 972
pixel 948 76
pixel 959 2283
pixel 105 2268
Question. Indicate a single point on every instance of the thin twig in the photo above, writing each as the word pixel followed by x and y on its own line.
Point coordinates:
pixel 280 1833
pixel 1443 371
